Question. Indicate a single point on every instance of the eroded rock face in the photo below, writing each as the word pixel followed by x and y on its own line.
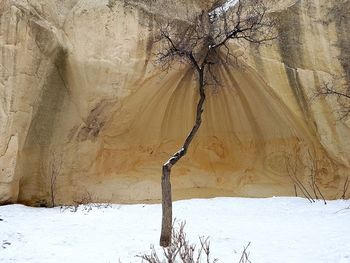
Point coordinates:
pixel 85 109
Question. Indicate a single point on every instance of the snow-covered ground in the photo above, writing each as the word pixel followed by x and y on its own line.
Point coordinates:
pixel 279 229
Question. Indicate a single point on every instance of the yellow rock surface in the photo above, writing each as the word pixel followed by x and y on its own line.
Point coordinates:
pixel 81 97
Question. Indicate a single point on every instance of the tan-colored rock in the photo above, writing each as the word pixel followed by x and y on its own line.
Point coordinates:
pixel 81 97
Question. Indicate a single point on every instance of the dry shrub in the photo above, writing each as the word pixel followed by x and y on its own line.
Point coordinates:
pixel 182 251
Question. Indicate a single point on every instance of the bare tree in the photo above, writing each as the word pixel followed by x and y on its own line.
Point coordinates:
pixel 203 43
pixel 245 255
pixel 54 169
pixel 314 172
pixel 345 188
pixel 293 166
pixel 341 92
pixel 310 166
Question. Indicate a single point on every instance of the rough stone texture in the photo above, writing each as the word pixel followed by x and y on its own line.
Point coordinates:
pixel 79 91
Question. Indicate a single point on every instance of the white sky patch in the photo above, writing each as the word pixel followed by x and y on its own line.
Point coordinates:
pixel 223 8
pixel 229 4
pixel 288 230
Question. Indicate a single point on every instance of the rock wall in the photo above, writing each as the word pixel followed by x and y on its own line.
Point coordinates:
pixel 87 114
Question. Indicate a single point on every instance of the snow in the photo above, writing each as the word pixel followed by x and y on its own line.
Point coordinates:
pixel 280 230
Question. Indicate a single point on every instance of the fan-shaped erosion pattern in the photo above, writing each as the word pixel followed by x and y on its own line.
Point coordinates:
pixel 83 105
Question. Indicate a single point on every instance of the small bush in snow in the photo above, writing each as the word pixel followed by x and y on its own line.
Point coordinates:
pixel 181 251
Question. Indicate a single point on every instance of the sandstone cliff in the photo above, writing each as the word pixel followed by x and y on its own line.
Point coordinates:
pixel 81 98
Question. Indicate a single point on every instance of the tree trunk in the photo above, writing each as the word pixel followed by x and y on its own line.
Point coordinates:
pixel 165 237
pixel 167 209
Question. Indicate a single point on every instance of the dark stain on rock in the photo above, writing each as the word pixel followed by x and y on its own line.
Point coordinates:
pixel 51 100
pixel 340 14
pixel 291 49
pixel 298 91
pixel 41 132
pixel 290 39
pixel 95 121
